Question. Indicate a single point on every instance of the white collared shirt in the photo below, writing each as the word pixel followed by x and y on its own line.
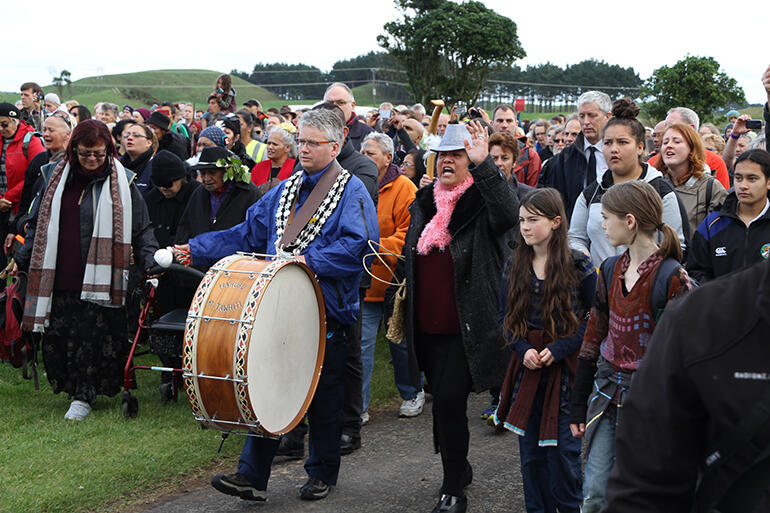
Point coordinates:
pixel 764 211
pixel 601 164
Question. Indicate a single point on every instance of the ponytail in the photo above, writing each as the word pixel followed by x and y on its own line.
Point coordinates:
pixel 642 201
pixel 670 247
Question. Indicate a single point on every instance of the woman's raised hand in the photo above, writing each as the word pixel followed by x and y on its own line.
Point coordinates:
pixel 477 149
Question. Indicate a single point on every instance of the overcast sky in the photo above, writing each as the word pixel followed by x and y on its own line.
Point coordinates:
pixel 89 38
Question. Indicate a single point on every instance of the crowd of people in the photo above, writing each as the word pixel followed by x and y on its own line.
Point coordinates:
pixel 533 259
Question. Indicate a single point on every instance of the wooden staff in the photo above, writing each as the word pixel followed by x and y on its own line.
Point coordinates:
pixel 430 163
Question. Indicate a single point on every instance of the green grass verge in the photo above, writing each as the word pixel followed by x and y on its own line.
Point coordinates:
pixel 52 465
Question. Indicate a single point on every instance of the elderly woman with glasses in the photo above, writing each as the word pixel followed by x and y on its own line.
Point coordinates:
pixel 281 154
pixel 77 253
pixel 454 252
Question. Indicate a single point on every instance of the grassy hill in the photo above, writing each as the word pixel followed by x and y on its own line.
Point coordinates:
pixel 144 88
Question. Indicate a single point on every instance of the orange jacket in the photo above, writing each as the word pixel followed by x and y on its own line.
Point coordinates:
pixel 393 217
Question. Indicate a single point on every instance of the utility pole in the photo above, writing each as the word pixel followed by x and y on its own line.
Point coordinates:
pixel 374 87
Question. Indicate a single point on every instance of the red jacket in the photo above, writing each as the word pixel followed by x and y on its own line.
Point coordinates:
pixel 16 162
pixel 261 172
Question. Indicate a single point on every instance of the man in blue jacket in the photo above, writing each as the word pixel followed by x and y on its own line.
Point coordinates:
pixel 347 221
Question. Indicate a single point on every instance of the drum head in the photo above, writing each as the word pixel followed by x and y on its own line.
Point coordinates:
pixel 284 359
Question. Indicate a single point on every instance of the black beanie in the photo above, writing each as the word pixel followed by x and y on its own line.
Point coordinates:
pixel 167 167
pixel 160 120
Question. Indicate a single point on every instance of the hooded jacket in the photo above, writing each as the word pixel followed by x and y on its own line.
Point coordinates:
pixel 585 229
pixel 723 244
pixel 16 162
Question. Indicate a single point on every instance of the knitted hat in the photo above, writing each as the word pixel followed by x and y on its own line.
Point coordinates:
pixel 8 110
pixel 145 113
pixel 215 135
pixel 53 98
pixel 167 167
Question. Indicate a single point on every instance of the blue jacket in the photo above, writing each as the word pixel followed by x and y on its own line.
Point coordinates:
pixel 334 255
pixel 723 244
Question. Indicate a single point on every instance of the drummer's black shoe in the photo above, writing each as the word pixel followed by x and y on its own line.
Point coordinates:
pixel 239 486
pixel 349 444
pixel 314 489
pixel 451 504
pixel 294 449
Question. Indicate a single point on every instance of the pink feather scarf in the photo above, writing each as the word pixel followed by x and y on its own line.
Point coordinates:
pixel 436 233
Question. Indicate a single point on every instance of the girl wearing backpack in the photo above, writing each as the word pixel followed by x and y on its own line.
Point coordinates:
pixel 546 292
pixel 623 143
pixel 622 319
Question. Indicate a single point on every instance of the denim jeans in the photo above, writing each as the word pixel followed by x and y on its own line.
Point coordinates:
pixel 325 417
pixel 601 458
pixel 371 315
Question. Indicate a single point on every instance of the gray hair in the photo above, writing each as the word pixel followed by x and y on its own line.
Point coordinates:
pixel 543 123
pixel 418 108
pixel 342 85
pixel 110 106
pixel 326 121
pixel 688 115
pixel 384 142
pixel 287 139
pixel 573 116
pixel 557 129
pixel 599 98
pixel 386 105
pixel 759 142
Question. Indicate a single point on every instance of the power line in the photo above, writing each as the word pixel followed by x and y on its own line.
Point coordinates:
pixel 574 86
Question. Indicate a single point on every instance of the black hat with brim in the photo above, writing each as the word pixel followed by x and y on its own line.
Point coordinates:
pixel 159 119
pixel 209 157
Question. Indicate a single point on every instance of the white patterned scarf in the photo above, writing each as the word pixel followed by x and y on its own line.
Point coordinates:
pixel 313 227
pixel 105 280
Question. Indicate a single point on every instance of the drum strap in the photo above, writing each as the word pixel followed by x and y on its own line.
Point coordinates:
pixel 295 224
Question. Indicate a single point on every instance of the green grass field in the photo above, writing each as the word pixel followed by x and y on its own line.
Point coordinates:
pixel 143 88
pixel 106 462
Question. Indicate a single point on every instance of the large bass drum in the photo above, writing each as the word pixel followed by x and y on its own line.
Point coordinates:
pixel 254 344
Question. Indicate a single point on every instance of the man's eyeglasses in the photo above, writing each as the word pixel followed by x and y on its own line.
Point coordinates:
pixel 94 154
pixel 339 103
pixel 311 144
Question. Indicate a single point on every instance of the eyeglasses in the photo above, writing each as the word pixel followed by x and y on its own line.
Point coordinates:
pixel 558 140
pixel 406 164
pixel 339 103
pixel 311 144
pixel 64 117
pixel 94 154
pixel 135 136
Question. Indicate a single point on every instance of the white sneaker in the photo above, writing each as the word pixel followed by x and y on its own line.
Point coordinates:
pixel 365 418
pixel 78 410
pixel 412 407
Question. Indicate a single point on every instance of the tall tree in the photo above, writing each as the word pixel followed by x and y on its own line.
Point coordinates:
pixel 447 49
pixel 694 82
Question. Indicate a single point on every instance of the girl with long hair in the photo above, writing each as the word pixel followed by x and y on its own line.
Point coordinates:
pixel 546 293
pixel 632 290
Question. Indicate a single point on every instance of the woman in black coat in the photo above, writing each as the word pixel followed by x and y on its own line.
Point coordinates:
pixel 454 254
